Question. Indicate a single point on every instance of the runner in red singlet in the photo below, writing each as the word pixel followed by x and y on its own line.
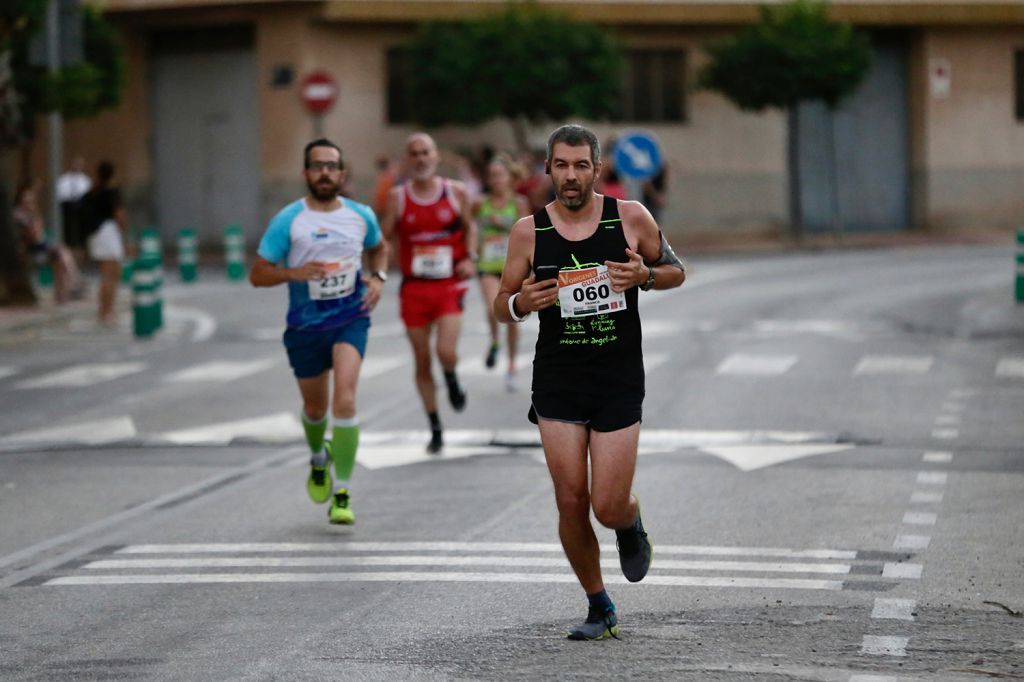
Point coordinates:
pixel 436 237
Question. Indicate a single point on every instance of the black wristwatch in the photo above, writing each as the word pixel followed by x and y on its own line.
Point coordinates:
pixel 646 286
pixel 381 275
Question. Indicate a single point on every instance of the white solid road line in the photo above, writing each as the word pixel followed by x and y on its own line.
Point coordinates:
pixel 430 576
pixel 82 375
pixel 434 560
pixel 282 427
pixel 325 547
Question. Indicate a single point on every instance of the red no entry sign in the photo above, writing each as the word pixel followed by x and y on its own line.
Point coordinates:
pixel 319 92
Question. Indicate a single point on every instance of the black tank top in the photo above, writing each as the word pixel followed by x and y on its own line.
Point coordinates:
pixel 596 352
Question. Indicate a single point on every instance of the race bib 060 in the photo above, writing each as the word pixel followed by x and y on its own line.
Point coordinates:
pixel 588 292
pixel 340 281
pixel 432 262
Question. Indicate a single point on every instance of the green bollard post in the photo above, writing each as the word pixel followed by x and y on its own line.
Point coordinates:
pixel 234 252
pixel 188 260
pixel 145 293
pixel 44 275
pixel 1019 289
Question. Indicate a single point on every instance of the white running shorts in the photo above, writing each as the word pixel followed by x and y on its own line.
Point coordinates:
pixel 106 243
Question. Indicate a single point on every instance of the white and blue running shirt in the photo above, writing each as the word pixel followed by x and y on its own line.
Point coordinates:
pixel 298 235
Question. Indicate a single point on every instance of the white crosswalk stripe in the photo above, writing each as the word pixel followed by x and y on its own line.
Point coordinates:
pixel 6 371
pixel 675 566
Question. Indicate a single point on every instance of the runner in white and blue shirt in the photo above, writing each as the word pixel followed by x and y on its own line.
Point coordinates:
pixel 317 245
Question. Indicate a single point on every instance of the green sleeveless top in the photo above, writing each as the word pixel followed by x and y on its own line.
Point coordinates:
pixel 494 226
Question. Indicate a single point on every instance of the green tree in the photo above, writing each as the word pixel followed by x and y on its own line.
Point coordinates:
pixel 525 64
pixel 794 54
pixel 28 91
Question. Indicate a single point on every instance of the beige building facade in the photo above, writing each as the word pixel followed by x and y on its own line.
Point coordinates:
pixel 212 125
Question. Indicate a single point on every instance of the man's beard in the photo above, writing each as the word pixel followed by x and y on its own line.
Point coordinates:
pixel 324 190
pixel 579 201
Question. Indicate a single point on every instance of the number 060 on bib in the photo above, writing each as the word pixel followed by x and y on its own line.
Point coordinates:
pixel 588 292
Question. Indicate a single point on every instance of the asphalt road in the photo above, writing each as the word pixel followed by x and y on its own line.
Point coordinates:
pixel 831 471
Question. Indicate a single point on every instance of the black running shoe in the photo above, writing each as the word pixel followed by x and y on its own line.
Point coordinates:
pixel 600 624
pixel 634 551
pixel 436 442
pixel 492 356
pixel 456 396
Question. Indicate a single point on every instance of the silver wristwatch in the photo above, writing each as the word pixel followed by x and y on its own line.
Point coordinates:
pixel 646 286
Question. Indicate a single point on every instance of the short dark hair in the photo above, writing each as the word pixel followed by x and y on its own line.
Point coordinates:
pixel 104 172
pixel 575 136
pixel 322 142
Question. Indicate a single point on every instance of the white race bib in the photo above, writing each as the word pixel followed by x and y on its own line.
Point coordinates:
pixel 432 262
pixel 495 248
pixel 340 281
pixel 588 292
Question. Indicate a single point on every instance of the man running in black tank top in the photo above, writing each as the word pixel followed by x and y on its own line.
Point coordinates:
pixel 588 377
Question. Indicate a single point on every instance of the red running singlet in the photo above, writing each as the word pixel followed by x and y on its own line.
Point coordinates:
pixel 431 237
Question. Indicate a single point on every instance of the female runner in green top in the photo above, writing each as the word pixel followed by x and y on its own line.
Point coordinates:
pixel 495 214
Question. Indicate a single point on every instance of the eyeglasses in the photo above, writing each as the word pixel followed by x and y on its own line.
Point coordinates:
pixel 331 166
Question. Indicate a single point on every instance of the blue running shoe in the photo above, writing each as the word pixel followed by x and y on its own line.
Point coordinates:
pixel 600 624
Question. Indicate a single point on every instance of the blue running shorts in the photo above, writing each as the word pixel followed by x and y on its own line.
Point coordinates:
pixel 311 351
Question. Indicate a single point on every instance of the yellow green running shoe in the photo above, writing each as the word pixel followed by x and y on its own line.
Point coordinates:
pixel 318 485
pixel 340 511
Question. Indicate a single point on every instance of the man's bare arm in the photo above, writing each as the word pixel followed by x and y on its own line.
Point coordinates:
pixel 267 274
pixel 646 257
pixel 518 280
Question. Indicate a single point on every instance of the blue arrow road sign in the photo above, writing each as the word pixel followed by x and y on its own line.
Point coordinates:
pixel 637 156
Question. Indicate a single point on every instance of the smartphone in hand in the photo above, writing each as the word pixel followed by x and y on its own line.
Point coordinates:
pixel 544 272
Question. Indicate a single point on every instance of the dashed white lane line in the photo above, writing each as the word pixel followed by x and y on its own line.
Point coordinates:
pixel 1012 368
pixel 83 375
pixel 912 542
pixel 894 609
pixel 894 364
pixel 275 428
pixel 932 477
pixel 756 365
pixel 914 518
pixel 902 571
pixel 220 371
pixel 937 457
pixel 7 371
pixel 375 366
pixel 945 434
pixel 948 420
pixel 874 645
pixel 926 497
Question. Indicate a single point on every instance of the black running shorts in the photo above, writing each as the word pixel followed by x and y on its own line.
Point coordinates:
pixel 598 411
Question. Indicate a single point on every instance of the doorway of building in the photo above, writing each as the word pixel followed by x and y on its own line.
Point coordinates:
pixel 872 168
pixel 206 132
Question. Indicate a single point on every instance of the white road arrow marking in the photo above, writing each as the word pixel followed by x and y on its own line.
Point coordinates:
pixel 750 457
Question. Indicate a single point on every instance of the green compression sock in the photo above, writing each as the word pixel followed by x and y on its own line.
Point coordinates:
pixel 344 446
pixel 314 432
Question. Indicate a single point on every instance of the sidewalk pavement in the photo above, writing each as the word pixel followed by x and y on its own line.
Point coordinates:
pixel 995 317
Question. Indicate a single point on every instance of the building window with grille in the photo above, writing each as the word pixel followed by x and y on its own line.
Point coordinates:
pixel 1018 83
pixel 654 86
pixel 399 72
